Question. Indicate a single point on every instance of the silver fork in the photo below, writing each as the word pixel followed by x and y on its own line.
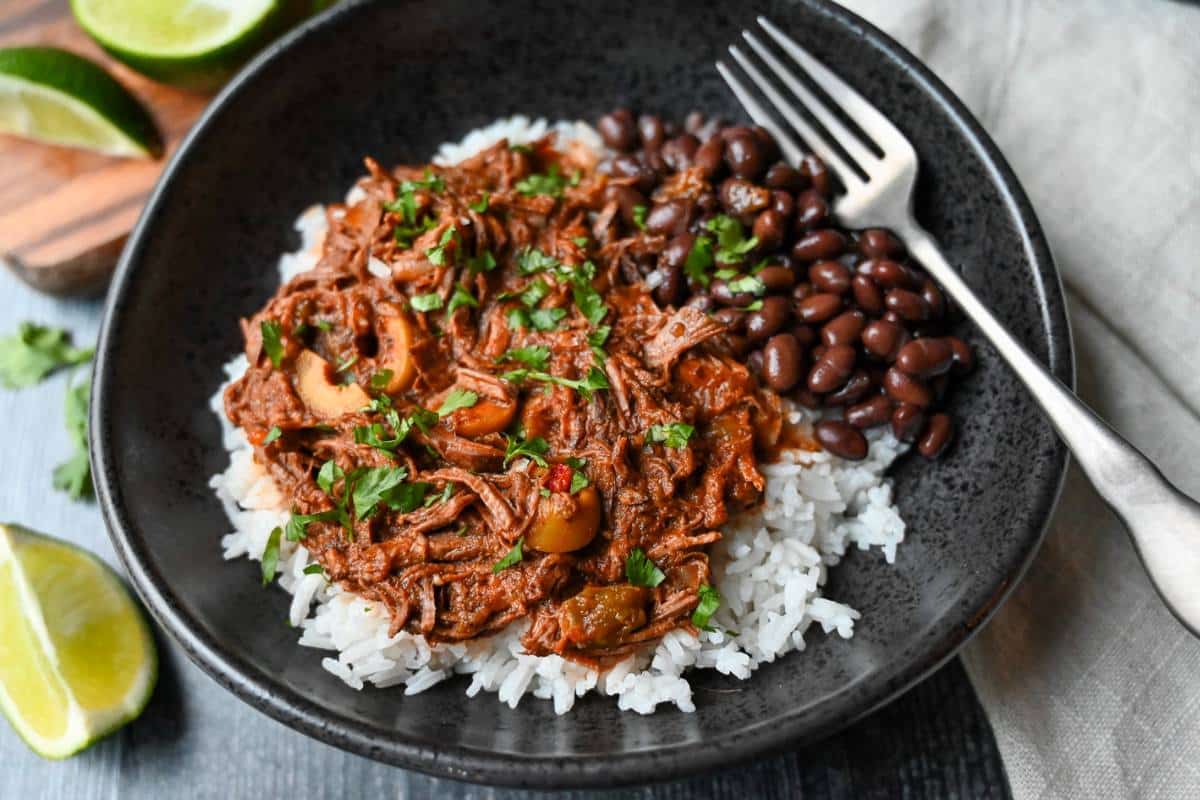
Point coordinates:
pixel 1163 522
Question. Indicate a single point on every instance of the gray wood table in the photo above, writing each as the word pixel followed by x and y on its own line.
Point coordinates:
pixel 196 740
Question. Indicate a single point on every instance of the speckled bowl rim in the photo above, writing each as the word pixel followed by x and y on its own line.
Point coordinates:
pixel 789 729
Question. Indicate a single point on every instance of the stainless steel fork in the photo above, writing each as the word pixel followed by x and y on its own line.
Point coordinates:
pixel 1163 522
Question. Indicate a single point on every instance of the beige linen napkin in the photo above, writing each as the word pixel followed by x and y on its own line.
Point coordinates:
pixel 1091 686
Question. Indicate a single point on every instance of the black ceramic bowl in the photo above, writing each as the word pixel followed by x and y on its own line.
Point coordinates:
pixel 392 80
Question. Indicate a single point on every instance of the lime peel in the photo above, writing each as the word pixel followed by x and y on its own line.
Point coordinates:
pixel 77 660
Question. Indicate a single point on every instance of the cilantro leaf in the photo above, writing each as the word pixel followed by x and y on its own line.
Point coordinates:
pixel 592 382
pixel 270 556
pixel 407 497
pixel 314 569
pixel 372 485
pixel 639 216
pixel 427 302
pixel 732 244
pixel 482 205
pixel 579 482
pixel 461 297
pixel 514 557
pixel 437 253
pixel 699 260
pixel 484 262
pixel 674 435
pixel 458 398
pixel 710 601
pixel 589 302
pixel 35 351
pixel 534 293
pixel 74 476
pixel 297 525
pixel 534 449
pixel 641 571
pixel 381 379
pixel 271 341
pixel 550 183
pixel 535 356
pixel 532 260
pixel 747 283
pixel 272 435
pixel 329 474
pixel 580 241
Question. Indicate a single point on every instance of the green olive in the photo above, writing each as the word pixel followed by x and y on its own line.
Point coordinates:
pixel 565 522
pixel 601 616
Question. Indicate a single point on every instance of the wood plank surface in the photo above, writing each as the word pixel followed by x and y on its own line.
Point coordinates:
pixel 64 212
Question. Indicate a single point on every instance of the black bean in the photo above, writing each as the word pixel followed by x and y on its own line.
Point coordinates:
pixel 708 202
pixel 770 150
pixel 782 202
pixel 782 175
pixel 693 121
pixel 933 298
pixel 845 328
pixel 782 361
pixel 818 308
pixel 964 358
pixel 819 245
pixel 677 250
pixel 830 276
pixel 769 228
pixel 678 152
pixel 744 155
pixel 907 422
pixel 883 339
pixel 806 398
pixel 670 292
pixel 617 129
pixel 869 413
pixel 909 305
pixel 841 439
pixel 743 197
pixel 670 218
pixel 857 387
pixel 626 166
pixel 802 291
pixel 701 302
pixel 831 369
pixel 906 389
pixel 925 358
pixel 709 157
pixel 938 433
pixel 764 323
pixel 814 168
pixel 812 210
pixel 732 318
pixel 867 294
pixel 721 292
pixel 627 199
pixel 887 274
pixel 754 362
pixel 650 128
pixel 879 243
pixel 805 335
pixel 776 278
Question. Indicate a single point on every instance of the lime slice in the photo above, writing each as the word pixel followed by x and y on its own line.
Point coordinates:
pixel 195 43
pixel 76 657
pixel 55 96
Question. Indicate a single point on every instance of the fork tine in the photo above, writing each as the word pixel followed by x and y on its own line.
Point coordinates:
pixel 792 152
pixel 851 102
pixel 815 140
pixel 847 138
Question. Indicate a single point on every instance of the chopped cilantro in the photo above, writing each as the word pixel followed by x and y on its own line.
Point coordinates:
pixel 272 435
pixel 271 341
pixel 482 205
pixel 641 571
pixel 531 260
pixel 541 319
pixel 372 486
pixel 589 302
pixel 550 183
pixel 581 241
pixel 534 449
pixel 726 274
pixel 732 244
pixel 437 253
pixel 699 260
pixel 297 526
pixel 446 493
pixel 408 496
pixel 35 351
pixel 544 492
pixel 747 283
pixel 484 262
pixel 329 474
pixel 270 556
pixel 74 476
pixel 710 601
pixel 514 557
pixel 427 302
pixel 325 325
pixel 381 379
pixel 594 381
pixel 534 357
pixel 579 482
pixel 535 292
pixel 346 364
pixel 596 339
pixel 314 569
pixel 754 306
pixel 639 216
pixel 674 435
pixel 460 297
pixel 458 398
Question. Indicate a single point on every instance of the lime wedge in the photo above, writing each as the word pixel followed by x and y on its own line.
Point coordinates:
pixel 55 96
pixel 194 43
pixel 76 657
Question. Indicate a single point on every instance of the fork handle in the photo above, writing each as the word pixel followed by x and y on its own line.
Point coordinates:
pixel 1163 522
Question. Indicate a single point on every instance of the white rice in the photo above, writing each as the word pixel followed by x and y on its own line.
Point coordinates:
pixel 769 567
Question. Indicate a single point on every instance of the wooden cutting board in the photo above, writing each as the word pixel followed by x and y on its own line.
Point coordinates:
pixel 65 213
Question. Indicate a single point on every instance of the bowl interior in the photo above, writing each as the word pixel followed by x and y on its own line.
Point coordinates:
pixel 392 81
